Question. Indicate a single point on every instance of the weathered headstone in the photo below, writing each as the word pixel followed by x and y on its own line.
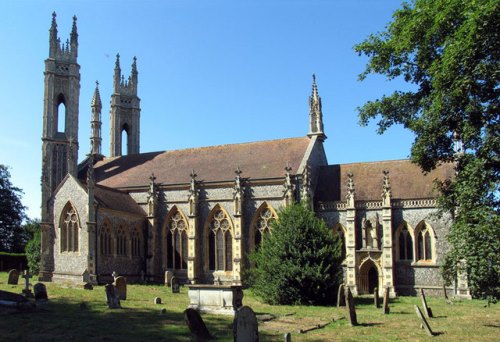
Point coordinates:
pixel 341 296
pixel 386 309
pixel 121 287
pixel 427 310
pixel 376 299
pixel 26 291
pixel 349 299
pixel 168 277
pixel 86 276
pixel 196 324
pixel 425 325
pixel 174 284
pixel 288 337
pixel 13 277
pixel 245 327
pixel 40 292
pixel 112 299
pixel 157 300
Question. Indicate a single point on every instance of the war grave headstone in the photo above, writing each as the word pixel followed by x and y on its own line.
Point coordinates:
pixel 245 327
pixel 386 309
pixel 121 287
pixel 112 299
pixel 427 310
pixel 168 277
pixel 376 299
pixel 13 277
pixel 349 299
pixel 174 284
pixel 424 323
pixel 26 291
pixel 196 325
pixel 341 296
pixel 40 292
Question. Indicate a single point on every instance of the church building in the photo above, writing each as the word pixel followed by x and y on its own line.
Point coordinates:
pixel 199 212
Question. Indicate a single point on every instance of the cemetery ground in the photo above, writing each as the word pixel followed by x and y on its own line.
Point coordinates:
pixel 75 314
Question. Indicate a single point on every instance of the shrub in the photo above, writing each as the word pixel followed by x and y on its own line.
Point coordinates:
pixel 33 247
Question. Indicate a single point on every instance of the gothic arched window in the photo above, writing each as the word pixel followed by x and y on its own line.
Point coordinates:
pixel 424 240
pixel 265 216
pixel 220 246
pixel 105 238
pixel 338 229
pixel 135 243
pixel 70 226
pixel 405 243
pixel 121 242
pixel 177 241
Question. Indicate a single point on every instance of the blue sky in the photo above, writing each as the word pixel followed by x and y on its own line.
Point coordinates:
pixel 210 73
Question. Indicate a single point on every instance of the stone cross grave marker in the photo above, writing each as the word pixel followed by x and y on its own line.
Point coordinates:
pixel 26 290
pixel 424 324
pixel 349 299
pixel 40 292
pixel 196 325
pixel 13 277
pixel 112 298
pixel 386 301
pixel 376 299
pixel 427 310
pixel 174 284
pixel 341 296
pixel 168 277
pixel 121 287
pixel 245 327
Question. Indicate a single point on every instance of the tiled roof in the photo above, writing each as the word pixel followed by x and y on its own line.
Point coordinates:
pixel 256 160
pixel 406 179
pixel 117 200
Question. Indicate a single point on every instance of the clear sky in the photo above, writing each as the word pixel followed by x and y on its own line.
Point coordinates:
pixel 210 73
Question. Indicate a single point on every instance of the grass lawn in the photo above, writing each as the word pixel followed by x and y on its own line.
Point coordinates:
pixel 63 318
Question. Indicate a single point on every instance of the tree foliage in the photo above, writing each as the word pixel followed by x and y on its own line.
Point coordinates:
pixel 33 247
pixel 449 50
pixel 12 236
pixel 299 262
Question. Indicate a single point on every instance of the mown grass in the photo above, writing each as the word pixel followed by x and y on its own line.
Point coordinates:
pixel 64 318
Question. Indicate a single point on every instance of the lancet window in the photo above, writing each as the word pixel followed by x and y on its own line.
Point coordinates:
pixel 177 241
pixel 265 217
pixel 121 242
pixel 220 242
pixel 424 237
pixel 405 243
pixel 135 243
pixel 105 238
pixel 70 227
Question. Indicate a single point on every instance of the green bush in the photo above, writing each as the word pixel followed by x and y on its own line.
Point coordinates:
pixel 33 247
pixel 299 262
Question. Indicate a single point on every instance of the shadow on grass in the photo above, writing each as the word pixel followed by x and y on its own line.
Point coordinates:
pixel 492 325
pixel 368 324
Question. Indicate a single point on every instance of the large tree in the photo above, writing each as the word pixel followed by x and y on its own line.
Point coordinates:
pixel 12 235
pixel 449 50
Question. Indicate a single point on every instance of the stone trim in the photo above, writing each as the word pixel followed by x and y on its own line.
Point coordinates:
pixel 398 203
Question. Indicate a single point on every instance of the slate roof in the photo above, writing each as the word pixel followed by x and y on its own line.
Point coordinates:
pixel 117 200
pixel 406 179
pixel 256 160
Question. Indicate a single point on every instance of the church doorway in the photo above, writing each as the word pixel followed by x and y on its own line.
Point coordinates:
pixel 368 277
pixel 372 279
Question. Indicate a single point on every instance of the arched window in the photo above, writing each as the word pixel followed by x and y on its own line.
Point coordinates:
pixel 70 226
pixel 121 242
pixel 339 230
pixel 220 246
pixel 177 241
pixel 136 243
pixel 404 242
pixel 124 139
pixel 61 114
pixel 105 238
pixel 265 216
pixel 424 240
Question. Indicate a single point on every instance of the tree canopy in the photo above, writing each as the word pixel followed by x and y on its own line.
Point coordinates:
pixel 12 237
pixel 299 262
pixel 449 50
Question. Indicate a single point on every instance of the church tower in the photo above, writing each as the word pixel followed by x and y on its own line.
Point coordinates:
pixel 315 114
pixel 60 113
pixel 125 112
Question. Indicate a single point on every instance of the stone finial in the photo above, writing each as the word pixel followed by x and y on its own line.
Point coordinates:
pixel 289 187
pixel 152 196
pixel 315 113
pixel 238 192
pixel 386 190
pixel 193 194
pixel 134 65
pixel 117 62
pixel 350 190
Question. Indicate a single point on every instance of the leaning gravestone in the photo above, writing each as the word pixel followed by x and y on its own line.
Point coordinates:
pixel 112 299
pixel 196 324
pixel 427 310
pixel 351 307
pixel 13 277
pixel 425 325
pixel 121 287
pixel 341 296
pixel 40 292
pixel 386 301
pixel 174 284
pixel 168 277
pixel 376 299
pixel 245 327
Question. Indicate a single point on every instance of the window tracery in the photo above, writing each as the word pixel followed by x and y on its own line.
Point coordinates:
pixel 220 251
pixel 177 241
pixel 70 227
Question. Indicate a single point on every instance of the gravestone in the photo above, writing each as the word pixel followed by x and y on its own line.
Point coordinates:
pixel 40 292
pixel 245 327
pixel 26 291
pixel 13 277
pixel 376 299
pixel 341 296
pixel 288 337
pixel 386 301
pixel 157 300
pixel 112 299
pixel 425 325
pixel 349 299
pixel 86 276
pixel 121 287
pixel 174 284
pixel 168 277
pixel 196 325
pixel 427 310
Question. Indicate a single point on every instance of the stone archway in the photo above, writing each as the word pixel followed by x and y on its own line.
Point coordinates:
pixel 369 277
pixel 372 279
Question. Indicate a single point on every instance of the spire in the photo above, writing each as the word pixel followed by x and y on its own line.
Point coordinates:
pixel 95 124
pixel 74 39
pixel 53 42
pixel 315 113
pixel 96 99
pixel 133 76
pixel 117 76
